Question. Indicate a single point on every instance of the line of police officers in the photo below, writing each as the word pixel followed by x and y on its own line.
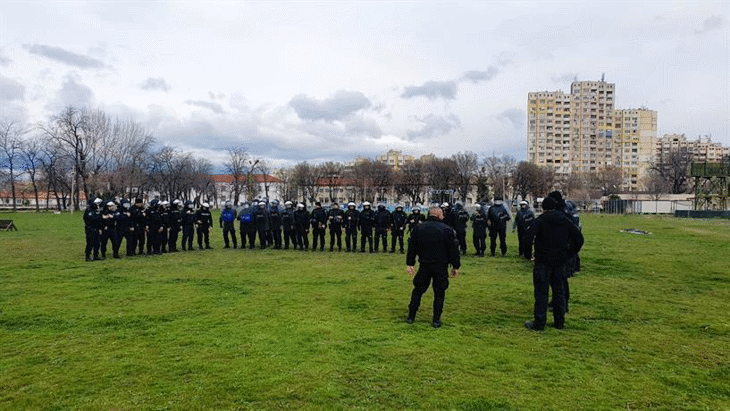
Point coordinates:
pixel 155 228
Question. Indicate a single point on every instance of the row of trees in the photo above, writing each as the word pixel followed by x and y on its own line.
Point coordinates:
pixel 82 151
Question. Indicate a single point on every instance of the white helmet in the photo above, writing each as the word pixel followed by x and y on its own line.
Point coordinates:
pixel 206 205
pixel 288 203
pixel 165 203
pixel 111 203
pixel 351 204
pixel 300 205
pixel 444 205
pixel 228 204
pixel 98 200
pixel 367 203
pixel 262 204
pixel 177 202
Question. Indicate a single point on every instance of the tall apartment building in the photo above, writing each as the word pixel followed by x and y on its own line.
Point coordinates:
pixel 577 132
pixel 635 135
pixel 702 149
pixel 395 159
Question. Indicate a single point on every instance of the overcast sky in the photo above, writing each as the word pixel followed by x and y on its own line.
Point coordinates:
pixel 318 81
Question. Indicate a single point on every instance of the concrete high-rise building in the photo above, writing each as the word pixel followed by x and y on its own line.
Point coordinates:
pixel 635 134
pixel 577 132
pixel 702 149
pixel 395 159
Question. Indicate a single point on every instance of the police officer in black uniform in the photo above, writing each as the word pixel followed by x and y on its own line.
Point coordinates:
pixel 524 221
pixel 416 217
pixel 289 225
pixel 479 230
pixel 319 226
pixel 557 239
pixel 275 224
pixel 352 221
pixel 140 223
pixel 399 220
pixel 109 229
pixel 176 222
pixel 436 246
pixel 204 222
pixel 382 225
pixel 188 227
pixel 336 218
pixel 153 227
pixel 92 226
pixel 497 217
pixel 460 218
pixel 123 218
pixel 366 223
pixel 165 217
pixel 301 218
pixel 261 221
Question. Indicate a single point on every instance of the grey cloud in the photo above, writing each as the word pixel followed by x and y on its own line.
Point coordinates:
pixel 4 61
pixel 214 107
pixel 434 126
pixel 432 90
pixel 11 90
pixel 564 78
pixel 476 76
pixel 73 94
pixel 514 116
pixel 338 107
pixel 711 23
pixel 155 84
pixel 214 96
pixel 63 56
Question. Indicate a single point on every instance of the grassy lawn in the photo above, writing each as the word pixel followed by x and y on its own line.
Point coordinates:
pixel 649 327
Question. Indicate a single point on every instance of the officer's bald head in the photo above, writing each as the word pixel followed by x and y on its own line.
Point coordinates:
pixel 435 211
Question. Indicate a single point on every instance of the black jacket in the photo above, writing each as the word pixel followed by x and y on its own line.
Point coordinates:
pixel 382 219
pixel 287 220
pixel 367 219
pixel 301 218
pixel 556 238
pixel 275 218
pixel 433 242
pixel 479 222
pixel 92 218
pixel 318 218
pixel 336 218
pixel 204 218
pixel 352 219
pixel 399 219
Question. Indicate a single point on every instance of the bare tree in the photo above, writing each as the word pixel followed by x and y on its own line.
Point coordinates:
pixel 606 181
pixel 265 170
pixel 362 182
pixel 498 170
pixel 129 150
pixel 32 151
pixel 285 185
pixel 411 182
pixel 381 177
pixel 11 143
pixel 523 179
pixel 307 178
pixel 465 170
pixel 236 167
pixel 672 167
pixel 332 175
pixel 543 183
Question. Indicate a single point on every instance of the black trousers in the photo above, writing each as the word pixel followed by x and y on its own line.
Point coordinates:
pixel 493 240
pixel 229 229
pixel 172 238
pixel 140 236
pixel 290 236
pixel 461 236
pixel 302 239
pixel 164 239
pixel 545 278
pixel 203 236
pixel 524 236
pixel 93 242
pixel 276 236
pixel 106 236
pixel 480 243
pixel 439 273
pixel 154 238
pixel 397 234
pixel 187 237
pixel 262 238
pixel 381 233
pixel 351 234
pixel 318 238
pixel 366 234
pixel 124 234
pixel 336 235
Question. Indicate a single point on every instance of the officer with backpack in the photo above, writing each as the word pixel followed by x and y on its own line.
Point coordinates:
pixel 227 221
pixel 479 230
pixel 497 217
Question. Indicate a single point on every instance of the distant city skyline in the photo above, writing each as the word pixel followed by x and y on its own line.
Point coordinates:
pixel 295 81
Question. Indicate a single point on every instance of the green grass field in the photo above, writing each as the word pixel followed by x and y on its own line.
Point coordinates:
pixel 649 327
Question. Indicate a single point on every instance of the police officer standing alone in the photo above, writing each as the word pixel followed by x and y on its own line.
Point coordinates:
pixel 556 241
pixel 227 221
pixel 436 246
